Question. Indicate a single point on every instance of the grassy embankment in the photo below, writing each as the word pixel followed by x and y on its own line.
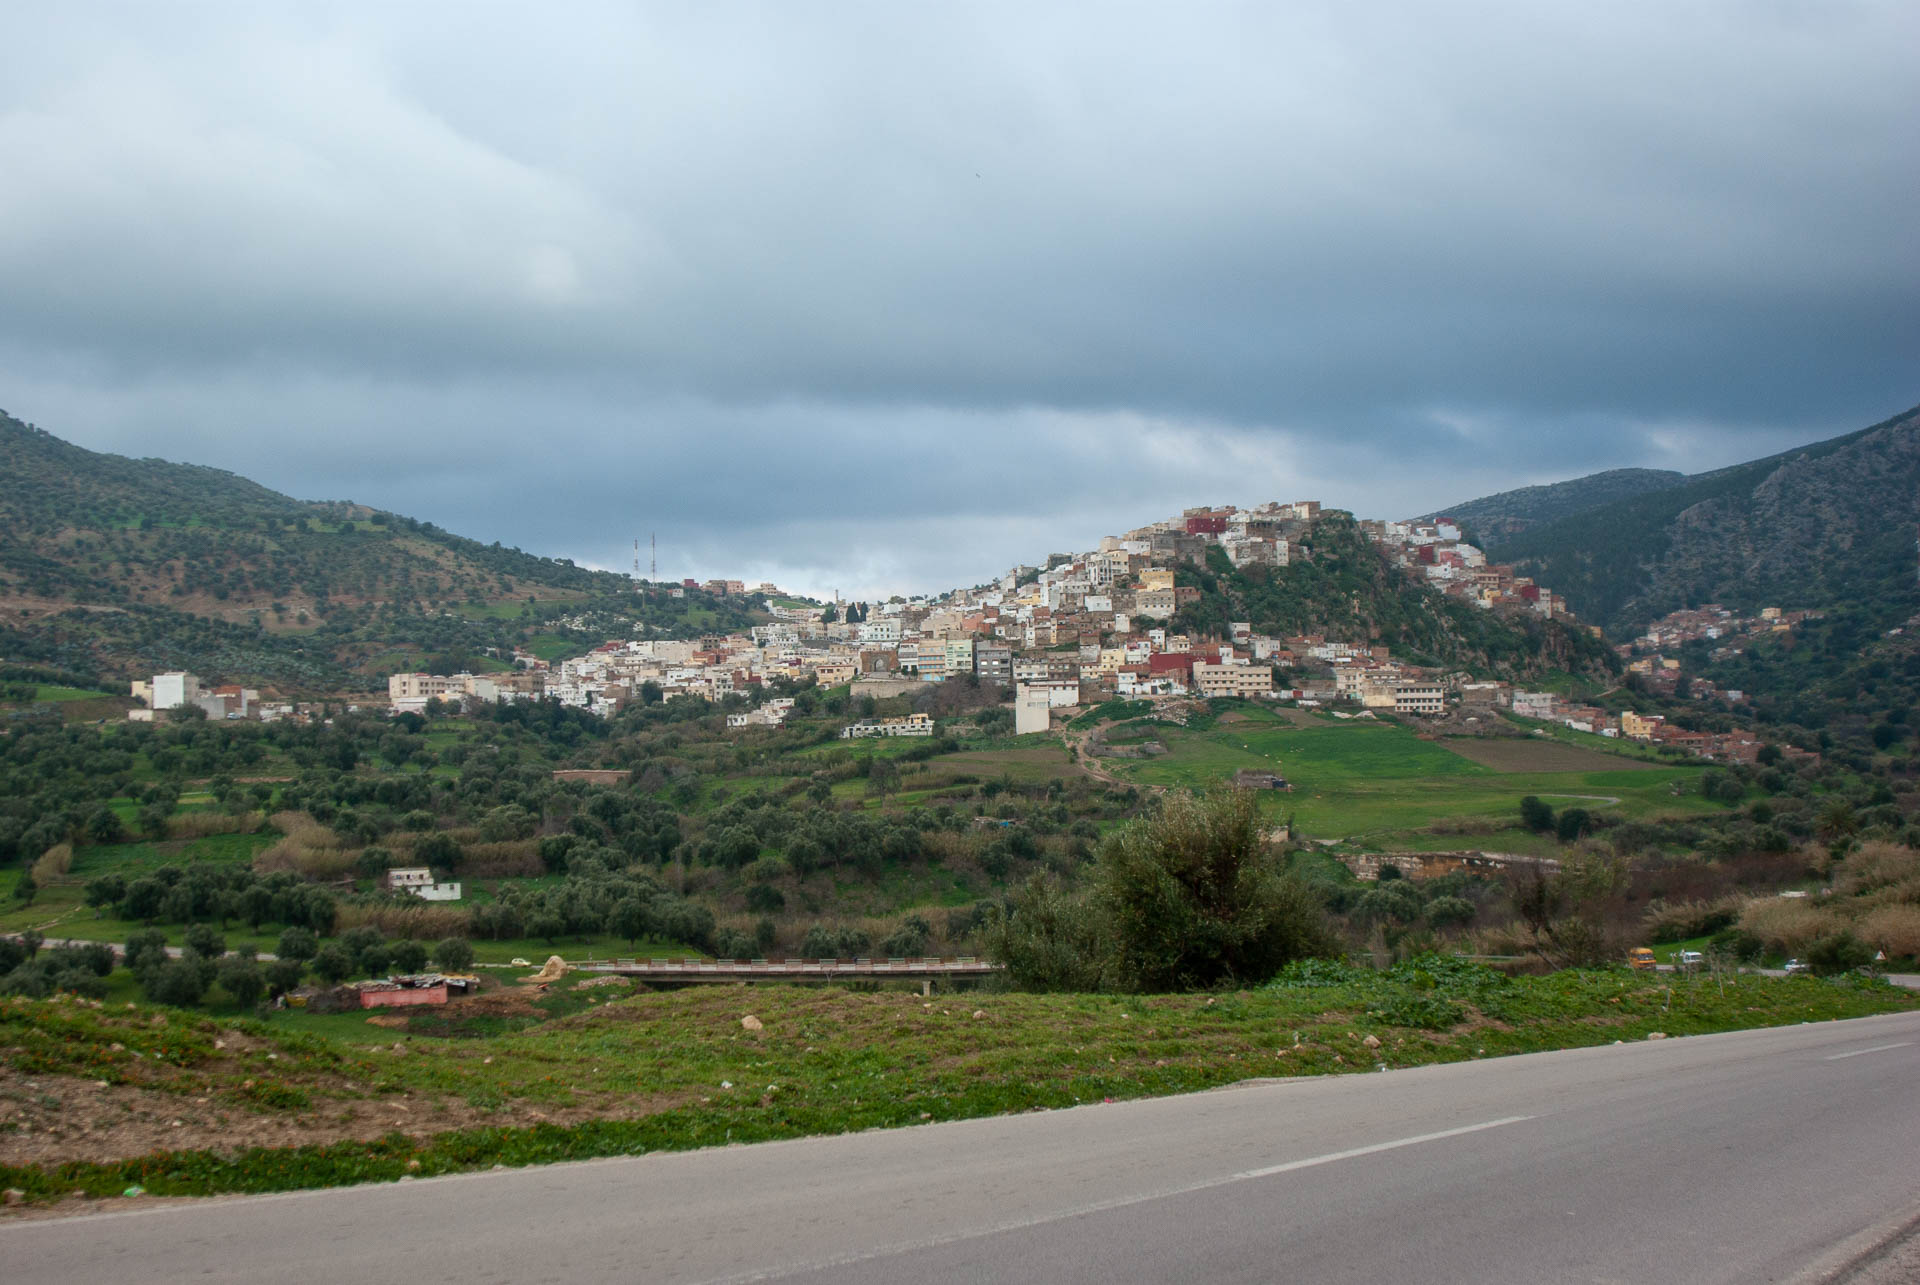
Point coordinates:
pixel 102 1098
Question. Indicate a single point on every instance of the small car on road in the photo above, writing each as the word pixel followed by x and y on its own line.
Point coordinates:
pixel 1795 967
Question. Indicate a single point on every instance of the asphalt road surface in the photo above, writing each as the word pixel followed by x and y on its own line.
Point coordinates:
pixel 1755 1156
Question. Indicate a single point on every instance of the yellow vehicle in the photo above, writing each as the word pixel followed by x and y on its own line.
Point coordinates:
pixel 1641 958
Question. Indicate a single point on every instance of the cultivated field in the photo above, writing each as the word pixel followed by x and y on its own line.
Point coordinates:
pixel 1363 779
pixel 1538 754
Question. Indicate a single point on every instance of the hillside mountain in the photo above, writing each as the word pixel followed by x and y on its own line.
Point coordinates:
pixel 85 527
pixel 120 566
pixel 1340 584
pixel 1825 526
pixel 1501 517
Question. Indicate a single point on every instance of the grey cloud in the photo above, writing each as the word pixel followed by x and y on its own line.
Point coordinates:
pixel 983 265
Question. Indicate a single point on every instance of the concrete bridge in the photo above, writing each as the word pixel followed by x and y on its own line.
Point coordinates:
pixel 923 971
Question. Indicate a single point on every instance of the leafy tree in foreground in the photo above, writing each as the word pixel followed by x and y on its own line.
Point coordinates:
pixel 1194 898
pixel 1189 898
pixel 1048 939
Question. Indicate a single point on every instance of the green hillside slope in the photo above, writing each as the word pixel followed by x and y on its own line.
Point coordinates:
pixel 1342 585
pixel 115 566
pixel 1830 525
pixel 1501 517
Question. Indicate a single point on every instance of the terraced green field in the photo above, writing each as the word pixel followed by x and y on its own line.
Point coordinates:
pixel 1373 780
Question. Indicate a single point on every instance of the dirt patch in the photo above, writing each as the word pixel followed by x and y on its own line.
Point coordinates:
pixel 1537 754
pixel 49 1120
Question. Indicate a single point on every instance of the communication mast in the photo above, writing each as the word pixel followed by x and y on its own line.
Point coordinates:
pixel 653 556
pixel 636 558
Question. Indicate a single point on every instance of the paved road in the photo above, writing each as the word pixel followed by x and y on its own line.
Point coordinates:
pixel 1755 1156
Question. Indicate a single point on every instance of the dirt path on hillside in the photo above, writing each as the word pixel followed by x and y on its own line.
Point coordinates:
pixel 1089 763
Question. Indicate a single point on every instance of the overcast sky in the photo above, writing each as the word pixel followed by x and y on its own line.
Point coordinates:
pixel 885 297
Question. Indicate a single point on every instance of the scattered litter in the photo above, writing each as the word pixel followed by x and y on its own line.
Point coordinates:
pixel 752 1023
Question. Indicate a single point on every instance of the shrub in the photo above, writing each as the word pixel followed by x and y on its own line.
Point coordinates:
pixel 1874 866
pixel 1894 929
pixel 333 963
pixel 1048 939
pixel 1536 814
pixel 104 825
pixel 145 949
pixel 455 954
pixel 1684 919
pixel 53 864
pixel 180 982
pixel 297 944
pixel 519 859
pixel 242 980
pixel 733 944
pixel 105 891
pixel 1789 927
pixel 413 919
pixel 284 974
pixel 1572 824
pixel 94 957
pixel 200 825
pixel 206 941
pixel 1839 952
pixel 409 956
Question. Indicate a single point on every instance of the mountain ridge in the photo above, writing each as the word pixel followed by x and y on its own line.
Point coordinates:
pixel 1827 524
pixel 1506 514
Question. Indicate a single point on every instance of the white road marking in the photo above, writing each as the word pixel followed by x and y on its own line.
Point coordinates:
pixel 1104 1206
pixel 1878 1048
pixel 1395 1145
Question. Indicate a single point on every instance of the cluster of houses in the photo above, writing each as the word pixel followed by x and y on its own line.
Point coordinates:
pixel 1713 623
pixel 166 693
pixel 1732 633
pixel 1736 746
pixel 1460 570
pixel 1087 627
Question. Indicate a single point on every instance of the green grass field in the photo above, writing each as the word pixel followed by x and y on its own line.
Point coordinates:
pixel 46 692
pixel 1360 778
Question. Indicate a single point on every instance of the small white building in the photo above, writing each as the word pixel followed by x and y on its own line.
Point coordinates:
pixel 419 881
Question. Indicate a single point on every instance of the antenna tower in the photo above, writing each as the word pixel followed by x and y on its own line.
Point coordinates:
pixel 653 556
pixel 636 557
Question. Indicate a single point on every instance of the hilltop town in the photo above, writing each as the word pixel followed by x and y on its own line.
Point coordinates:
pixel 1086 628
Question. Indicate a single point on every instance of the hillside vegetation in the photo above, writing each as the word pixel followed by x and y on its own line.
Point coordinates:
pixel 1499 518
pixel 1825 526
pixel 110 565
pixel 1341 585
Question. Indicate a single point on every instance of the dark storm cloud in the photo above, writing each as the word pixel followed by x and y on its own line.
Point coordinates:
pixel 902 293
